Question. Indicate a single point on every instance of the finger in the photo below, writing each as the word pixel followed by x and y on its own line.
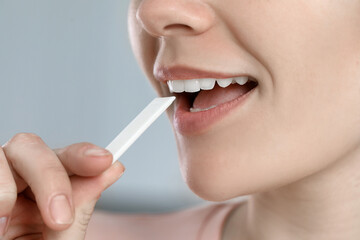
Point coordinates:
pixel 84 159
pixel 39 166
pixel 86 193
pixel 90 189
pixel 25 220
pixel 8 193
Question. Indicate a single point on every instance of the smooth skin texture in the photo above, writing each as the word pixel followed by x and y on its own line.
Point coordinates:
pixel 294 148
pixel 51 194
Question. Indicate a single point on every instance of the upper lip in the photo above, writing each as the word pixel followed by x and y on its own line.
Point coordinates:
pixel 179 72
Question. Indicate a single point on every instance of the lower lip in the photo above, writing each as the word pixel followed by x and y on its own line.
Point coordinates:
pixel 193 123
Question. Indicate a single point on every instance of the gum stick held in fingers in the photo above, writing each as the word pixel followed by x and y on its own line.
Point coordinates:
pixel 137 126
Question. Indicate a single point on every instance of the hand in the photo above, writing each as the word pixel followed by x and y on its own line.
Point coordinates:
pixel 51 194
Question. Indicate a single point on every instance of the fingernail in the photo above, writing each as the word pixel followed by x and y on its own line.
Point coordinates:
pixel 96 152
pixel 3 225
pixel 60 210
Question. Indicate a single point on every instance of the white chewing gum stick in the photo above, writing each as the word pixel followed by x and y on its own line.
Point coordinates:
pixel 137 126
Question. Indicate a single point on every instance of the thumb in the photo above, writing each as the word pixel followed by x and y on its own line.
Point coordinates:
pixel 86 192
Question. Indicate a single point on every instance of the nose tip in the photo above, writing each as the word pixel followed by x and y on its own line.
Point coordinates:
pixel 175 17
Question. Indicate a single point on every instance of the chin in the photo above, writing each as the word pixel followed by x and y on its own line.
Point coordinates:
pixel 213 178
pixel 209 194
pixel 207 189
pixel 221 174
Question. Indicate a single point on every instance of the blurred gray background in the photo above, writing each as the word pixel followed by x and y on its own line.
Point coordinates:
pixel 68 74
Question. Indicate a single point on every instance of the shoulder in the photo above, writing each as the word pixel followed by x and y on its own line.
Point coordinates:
pixel 184 224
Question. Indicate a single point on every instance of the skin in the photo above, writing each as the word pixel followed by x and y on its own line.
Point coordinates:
pixel 294 148
pixel 27 163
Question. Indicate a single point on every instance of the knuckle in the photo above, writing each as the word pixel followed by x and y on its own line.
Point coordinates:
pixel 7 185
pixel 86 143
pixel 8 188
pixel 84 219
pixel 8 196
pixel 26 138
pixel 22 139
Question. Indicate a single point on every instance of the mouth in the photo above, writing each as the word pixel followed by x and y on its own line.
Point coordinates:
pixel 203 102
pixel 204 98
pixel 205 94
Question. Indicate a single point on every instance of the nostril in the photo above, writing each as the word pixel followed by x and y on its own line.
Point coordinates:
pixel 178 28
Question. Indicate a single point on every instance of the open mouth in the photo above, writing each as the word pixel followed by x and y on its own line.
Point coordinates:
pixel 208 93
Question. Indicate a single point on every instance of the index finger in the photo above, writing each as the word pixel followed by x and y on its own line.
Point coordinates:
pixel 84 159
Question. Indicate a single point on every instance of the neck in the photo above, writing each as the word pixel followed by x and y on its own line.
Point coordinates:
pixel 323 206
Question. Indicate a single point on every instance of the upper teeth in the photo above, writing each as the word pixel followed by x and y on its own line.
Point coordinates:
pixel 194 85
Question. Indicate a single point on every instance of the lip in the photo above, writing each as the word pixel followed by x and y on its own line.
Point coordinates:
pixel 193 123
pixel 180 72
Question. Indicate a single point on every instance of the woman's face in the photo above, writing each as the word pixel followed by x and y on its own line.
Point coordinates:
pixel 304 113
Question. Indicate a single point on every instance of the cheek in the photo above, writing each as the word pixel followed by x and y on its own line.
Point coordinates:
pixel 145 49
pixel 308 122
pixel 144 46
pixel 267 149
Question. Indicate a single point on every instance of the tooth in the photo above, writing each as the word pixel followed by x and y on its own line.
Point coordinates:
pixel 241 80
pixel 224 82
pixel 177 86
pixel 170 86
pixel 192 85
pixel 207 83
